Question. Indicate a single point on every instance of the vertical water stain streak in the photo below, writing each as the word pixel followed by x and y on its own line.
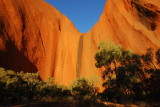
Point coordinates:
pixel 79 56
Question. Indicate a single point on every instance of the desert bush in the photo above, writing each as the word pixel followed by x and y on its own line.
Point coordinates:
pixel 12 86
pixel 84 88
pixel 27 87
pixel 125 73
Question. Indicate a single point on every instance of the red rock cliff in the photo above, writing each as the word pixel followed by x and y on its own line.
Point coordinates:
pixel 34 36
pixel 135 24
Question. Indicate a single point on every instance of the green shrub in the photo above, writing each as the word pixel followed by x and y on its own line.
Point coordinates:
pixel 125 73
pixel 27 87
pixel 84 88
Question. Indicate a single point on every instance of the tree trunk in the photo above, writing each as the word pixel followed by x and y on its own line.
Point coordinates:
pixel 115 69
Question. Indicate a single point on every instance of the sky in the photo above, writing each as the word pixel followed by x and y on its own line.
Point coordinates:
pixel 83 13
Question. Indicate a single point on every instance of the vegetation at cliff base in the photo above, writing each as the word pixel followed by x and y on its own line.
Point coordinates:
pixel 127 77
pixel 20 87
pixel 26 87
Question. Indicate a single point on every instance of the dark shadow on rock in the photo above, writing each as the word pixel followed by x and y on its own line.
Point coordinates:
pixel 13 59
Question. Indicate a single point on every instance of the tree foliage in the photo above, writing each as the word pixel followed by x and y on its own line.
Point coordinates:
pixel 27 87
pixel 126 74
pixel 83 86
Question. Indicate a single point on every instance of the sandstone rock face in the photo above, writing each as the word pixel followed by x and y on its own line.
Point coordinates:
pixel 35 36
pixel 135 24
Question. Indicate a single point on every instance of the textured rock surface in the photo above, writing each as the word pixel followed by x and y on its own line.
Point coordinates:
pixel 135 24
pixel 34 36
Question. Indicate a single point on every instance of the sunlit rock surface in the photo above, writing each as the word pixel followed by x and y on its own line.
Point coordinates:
pixel 34 36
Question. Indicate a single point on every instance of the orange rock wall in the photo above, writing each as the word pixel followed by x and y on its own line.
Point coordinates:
pixel 123 23
pixel 34 36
